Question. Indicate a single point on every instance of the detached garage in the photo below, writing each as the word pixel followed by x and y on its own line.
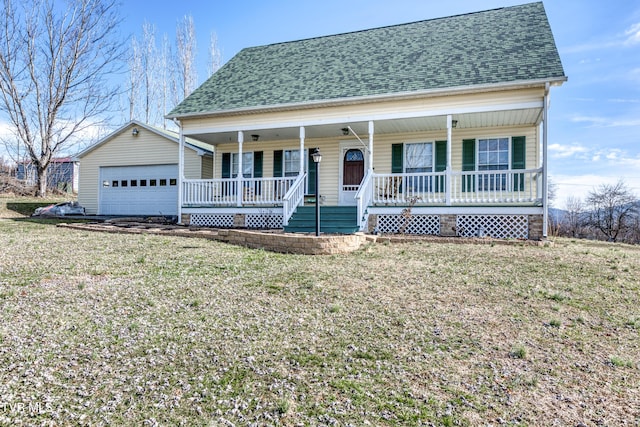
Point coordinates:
pixel 134 171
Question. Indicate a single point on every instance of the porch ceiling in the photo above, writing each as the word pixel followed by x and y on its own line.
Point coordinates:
pixel 530 116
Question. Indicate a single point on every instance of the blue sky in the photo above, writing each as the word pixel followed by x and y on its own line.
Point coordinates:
pixel 594 132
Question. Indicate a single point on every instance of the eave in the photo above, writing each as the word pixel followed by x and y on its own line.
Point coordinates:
pixel 428 93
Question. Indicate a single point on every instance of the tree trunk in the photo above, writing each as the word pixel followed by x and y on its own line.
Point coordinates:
pixel 42 182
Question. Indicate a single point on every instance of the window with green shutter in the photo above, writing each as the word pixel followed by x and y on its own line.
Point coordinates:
pixel 397 156
pixel 468 163
pixel 226 165
pixel 518 161
pixel 257 170
pixel 441 164
pixel 277 163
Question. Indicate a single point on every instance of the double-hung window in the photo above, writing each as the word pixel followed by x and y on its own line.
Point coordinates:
pixel 291 162
pixel 418 158
pixel 493 155
pixel 247 165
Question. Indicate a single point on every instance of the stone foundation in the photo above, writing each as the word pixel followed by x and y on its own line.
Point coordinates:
pixel 372 223
pixel 448 225
pixel 535 227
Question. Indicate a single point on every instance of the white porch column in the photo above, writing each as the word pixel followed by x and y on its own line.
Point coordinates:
pixel 180 170
pixel 545 168
pixel 302 156
pixel 240 175
pixel 370 145
pixel 449 184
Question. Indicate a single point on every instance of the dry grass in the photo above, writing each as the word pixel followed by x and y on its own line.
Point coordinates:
pixel 106 329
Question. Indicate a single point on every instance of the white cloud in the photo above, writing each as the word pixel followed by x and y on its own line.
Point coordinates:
pixel 606 122
pixel 630 37
pixel 564 151
pixel 625 101
pixel 633 34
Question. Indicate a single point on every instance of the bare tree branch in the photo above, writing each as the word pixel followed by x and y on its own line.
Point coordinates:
pixel 186 56
pixel 612 209
pixel 54 65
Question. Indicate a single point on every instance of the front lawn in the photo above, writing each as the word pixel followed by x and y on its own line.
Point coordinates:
pixel 112 329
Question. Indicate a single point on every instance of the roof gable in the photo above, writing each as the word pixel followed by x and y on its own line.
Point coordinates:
pixel 190 143
pixel 505 45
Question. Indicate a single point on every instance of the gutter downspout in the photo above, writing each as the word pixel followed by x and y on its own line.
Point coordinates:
pixel 180 168
pixel 545 167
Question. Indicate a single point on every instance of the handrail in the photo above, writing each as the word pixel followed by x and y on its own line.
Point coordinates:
pixel 293 198
pixel 363 199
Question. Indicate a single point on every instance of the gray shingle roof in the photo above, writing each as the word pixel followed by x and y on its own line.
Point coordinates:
pixel 497 46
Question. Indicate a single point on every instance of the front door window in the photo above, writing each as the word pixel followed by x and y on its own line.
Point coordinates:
pixel 353 168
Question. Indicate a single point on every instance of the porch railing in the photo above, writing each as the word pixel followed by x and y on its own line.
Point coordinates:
pixel 363 199
pixel 497 186
pixel 473 187
pixel 293 198
pixel 224 192
pixel 407 188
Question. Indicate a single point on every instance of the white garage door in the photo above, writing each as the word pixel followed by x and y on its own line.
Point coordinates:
pixel 139 190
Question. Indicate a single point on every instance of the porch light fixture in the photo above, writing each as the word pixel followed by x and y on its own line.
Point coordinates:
pixel 454 123
pixel 255 137
pixel 317 158
pixel 345 131
pixel 135 132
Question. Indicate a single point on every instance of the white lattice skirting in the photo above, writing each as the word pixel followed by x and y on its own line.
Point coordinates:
pixel 496 226
pixel 263 221
pixel 415 224
pixel 211 220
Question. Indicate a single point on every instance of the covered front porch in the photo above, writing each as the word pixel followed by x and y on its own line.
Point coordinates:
pixel 369 162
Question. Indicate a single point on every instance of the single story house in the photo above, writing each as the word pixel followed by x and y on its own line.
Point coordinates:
pixel 432 127
pixel 62 174
pixel 134 171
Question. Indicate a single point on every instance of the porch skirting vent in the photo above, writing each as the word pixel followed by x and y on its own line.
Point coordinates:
pixel 496 226
pixel 415 224
pixel 264 221
pixel 211 220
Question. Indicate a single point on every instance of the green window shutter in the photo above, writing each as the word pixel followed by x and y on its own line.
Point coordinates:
pixel 518 161
pixel 311 174
pixel 397 157
pixel 226 165
pixel 441 156
pixel 257 170
pixel 441 164
pixel 277 163
pixel 257 164
pixel 468 163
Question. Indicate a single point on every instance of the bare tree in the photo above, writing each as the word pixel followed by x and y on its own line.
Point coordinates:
pixel 166 69
pixel 148 60
pixel 612 208
pixel 135 75
pixel 53 67
pixel 573 221
pixel 186 56
pixel 215 56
